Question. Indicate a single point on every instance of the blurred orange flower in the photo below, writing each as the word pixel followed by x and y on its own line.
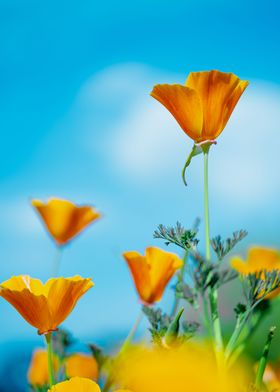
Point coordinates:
pixel 204 105
pixel 81 365
pixel 258 259
pixel 38 369
pixel 63 219
pixel 76 384
pixel 44 306
pixel 152 272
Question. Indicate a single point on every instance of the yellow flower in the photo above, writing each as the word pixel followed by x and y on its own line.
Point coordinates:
pixel 189 368
pixel 76 384
pixel 44 306
pixel 38 369
pixel 79 384
pixel 81 365
pixel 204 105
pixel 258 259
pixel 152 272
pixel 63 219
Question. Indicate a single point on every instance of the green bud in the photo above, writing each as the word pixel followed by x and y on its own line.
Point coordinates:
pixel 173 329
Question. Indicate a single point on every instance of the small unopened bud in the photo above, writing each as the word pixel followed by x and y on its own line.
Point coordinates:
pixel 173 329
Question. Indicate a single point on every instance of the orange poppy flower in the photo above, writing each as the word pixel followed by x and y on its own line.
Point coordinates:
pixel 203 106
pixel 44 306
pixel 258 259
pixel 81 365
pixel 152 272
pixel 76 384
pixel 63 219
pixel 38 369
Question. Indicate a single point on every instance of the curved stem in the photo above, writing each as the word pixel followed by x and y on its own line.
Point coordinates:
pixel 131 334
pixel 125 345
pixel 213 294
pixel 50 359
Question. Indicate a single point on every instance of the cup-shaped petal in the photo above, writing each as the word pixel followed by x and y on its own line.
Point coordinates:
pixel 204 105
pixel 64 219
pixel 76 384
pixel 219 93
pixel 184 104
pixel 44 306
pixel 152 272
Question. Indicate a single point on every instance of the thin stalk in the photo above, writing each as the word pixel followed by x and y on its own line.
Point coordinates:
pixel 48 337
pixel 213 294
pixel 131 334
pixel 248 335
pixel 206 316
pixel 125 345
pixel 238 329
pixel 57 261
pixel 264 357
pixel 176 302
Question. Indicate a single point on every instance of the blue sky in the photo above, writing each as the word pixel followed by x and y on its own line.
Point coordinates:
pixel 77 122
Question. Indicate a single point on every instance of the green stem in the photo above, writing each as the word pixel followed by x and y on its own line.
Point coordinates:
pixel 238 329
pixel 131 334
pixel 206 209
pixel 48 337
pixel 57 260
pixel 264 357
pixel 213 294
pixel 206 315
pixel 124 347
pixel 240 347
pixel 181 275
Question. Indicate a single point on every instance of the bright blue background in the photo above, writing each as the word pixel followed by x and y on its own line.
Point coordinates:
pixel 77 122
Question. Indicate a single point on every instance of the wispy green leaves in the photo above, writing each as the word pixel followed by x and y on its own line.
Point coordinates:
pixel 177 235
pixel 223 247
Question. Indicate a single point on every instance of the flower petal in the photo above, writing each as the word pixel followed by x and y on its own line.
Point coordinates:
pixel 63 219
pixel 33 308
pixel 140 273
pixel 76 384
pixel 63 294
pixel 219 93
pixel 184 104
pixel 162 267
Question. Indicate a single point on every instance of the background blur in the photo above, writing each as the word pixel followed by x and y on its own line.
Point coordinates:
pixel 77 122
